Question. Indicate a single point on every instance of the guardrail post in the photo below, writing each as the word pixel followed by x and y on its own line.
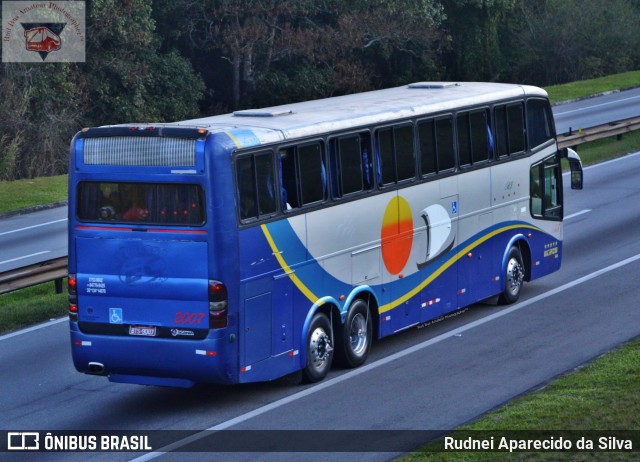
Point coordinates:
pixel 58 283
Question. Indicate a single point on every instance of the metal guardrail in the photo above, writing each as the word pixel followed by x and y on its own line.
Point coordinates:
pixel 601 131
pixel 56 270
pixel 19 278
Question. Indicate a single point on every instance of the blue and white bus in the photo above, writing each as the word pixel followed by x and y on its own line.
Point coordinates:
pixel 248 246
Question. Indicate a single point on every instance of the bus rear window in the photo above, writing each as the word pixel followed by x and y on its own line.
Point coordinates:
pixel 141 203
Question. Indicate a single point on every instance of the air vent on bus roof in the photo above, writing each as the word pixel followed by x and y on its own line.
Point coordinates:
pixel 262 112
pixel 433 85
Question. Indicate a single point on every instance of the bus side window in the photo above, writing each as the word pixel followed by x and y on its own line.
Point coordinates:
pixel 509 129
pixel 351 164
pixel 254 177
pixel 444 142
pixel 303 176
pixel 474 137
pixel 288 182
pixel 428 149
pixel 313 174
pixel 396 160
pixel 539 127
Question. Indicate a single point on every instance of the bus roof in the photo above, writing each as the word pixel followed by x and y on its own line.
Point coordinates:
pixel 309 118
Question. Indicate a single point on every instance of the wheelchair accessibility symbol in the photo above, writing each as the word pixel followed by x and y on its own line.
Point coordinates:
pixel 115 316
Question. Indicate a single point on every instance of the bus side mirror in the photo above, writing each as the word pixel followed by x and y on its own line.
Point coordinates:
pixel 575 165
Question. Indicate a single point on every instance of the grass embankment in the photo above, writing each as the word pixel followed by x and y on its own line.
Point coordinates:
pixel 603 396
pixel 583 88
pixel 20 194
pixel 31 306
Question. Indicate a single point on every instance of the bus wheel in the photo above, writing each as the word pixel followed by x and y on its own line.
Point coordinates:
pixel 354 342
pixel 319 349
pixel 514 277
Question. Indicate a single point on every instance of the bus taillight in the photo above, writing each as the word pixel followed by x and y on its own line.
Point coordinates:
pixel 73 297
pixel 217 305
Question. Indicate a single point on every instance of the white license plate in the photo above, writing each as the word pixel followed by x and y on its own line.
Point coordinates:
pixel 147 331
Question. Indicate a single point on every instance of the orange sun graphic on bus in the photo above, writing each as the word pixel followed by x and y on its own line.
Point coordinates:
pixel 396 234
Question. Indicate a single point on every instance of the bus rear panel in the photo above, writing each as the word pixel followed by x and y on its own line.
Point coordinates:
pixel 145 305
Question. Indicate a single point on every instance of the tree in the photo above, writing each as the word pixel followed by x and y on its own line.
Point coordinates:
pixel 296 50
pixel 556 41
pixel 475 26
pixel 128 79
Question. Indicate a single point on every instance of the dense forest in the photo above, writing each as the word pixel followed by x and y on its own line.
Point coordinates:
pixel 165 60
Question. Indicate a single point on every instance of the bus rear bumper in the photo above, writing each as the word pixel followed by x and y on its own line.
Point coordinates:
pixel 154 361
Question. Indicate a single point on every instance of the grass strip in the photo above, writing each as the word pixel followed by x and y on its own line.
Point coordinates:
pixel 20 194
pixel 32 305
pixel 583 88
pixel 604 395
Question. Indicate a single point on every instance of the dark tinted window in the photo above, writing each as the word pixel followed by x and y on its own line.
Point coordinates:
pixel 436 145
pixel 256 188
pixel 303 175
pixel 474 137
pixel 395 154
pixel 539 122
pixel 509 129
pixel 141 203
pixel 351 164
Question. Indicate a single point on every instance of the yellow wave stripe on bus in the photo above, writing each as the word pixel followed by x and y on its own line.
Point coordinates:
pixel 389 306
pixel 448 263
pixel 234 139
pixel 283 264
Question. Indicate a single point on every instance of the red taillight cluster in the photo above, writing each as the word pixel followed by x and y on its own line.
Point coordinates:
pixel 217 305
pixel 73 297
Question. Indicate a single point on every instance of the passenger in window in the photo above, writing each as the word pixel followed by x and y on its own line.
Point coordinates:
pixel 137 211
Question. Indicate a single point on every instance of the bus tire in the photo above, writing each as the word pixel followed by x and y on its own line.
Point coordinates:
pixel 319 346
pixel 354 339
pixel 513 277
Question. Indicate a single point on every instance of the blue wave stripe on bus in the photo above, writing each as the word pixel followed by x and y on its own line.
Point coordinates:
pixel 314 282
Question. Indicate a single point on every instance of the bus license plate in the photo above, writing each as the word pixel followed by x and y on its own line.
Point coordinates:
pixel 147 331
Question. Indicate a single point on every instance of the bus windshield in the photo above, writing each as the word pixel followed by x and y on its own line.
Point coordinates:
pixel 141 203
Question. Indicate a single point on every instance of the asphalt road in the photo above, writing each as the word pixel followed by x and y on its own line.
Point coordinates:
pixel 32 238
pixel 436 377
pixel 595 111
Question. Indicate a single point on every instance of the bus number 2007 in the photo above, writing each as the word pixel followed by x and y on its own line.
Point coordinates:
pixel 188 318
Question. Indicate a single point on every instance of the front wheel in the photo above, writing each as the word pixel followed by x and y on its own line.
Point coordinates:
pixel 514 277
pixel 319 349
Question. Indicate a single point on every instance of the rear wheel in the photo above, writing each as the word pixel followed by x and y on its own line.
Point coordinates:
pixel 319 349
pixel 513 277
pixel 354 342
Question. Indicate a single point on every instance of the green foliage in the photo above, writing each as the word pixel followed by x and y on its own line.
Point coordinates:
pixel 158 61
pixel 582 88
pixel 20 194
pixel 31 306
pixel 601 396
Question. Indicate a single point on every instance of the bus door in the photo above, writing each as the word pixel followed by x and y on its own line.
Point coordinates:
pixel 270 255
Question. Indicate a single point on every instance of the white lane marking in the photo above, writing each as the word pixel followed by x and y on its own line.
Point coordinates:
pixel 577 214
pixel 381 362
pixel 24 256
pixel 34 226
pixel 595 105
